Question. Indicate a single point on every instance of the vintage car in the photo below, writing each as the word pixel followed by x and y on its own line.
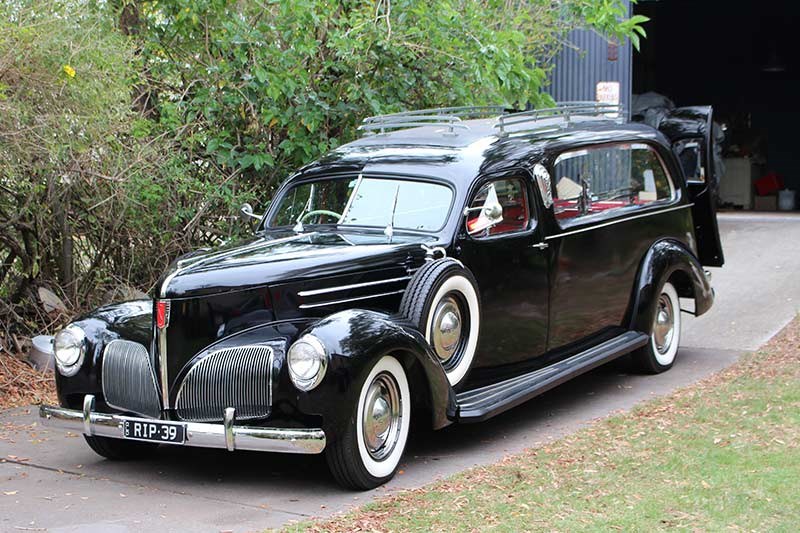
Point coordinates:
pixel 445 267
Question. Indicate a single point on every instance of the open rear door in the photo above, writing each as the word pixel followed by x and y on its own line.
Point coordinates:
pixel 691 131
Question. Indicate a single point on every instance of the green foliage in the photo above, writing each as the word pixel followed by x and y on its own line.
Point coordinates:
pixel 130 130
pixel 264 88
pixel 609 17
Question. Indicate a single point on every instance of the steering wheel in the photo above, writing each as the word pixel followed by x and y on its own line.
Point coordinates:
pixel 321 212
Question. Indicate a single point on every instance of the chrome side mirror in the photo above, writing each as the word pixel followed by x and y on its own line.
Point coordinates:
pixel 491 213
pixel 247 212
pixel 544 183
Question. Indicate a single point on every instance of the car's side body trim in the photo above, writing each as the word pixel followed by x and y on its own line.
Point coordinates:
pixel 341 288
pixel 353 299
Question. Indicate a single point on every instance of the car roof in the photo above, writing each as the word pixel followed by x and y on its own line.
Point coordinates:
pixel 479 149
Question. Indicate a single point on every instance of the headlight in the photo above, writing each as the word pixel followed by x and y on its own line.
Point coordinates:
pixel 69 346
pixel 307 360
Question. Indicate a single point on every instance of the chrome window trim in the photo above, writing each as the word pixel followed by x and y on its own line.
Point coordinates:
pixel 348 300
pixel 525 177
pixel 570 154
pixel 300 179
pixel 618 221
pixel 339 288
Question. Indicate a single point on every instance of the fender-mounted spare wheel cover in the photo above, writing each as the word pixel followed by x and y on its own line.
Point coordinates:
pixel 442 302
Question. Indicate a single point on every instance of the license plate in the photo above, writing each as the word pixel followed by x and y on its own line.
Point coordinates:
pixel 167 432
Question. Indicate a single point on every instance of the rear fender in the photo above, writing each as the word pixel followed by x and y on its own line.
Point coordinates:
pixel 355 339
pixel 668 259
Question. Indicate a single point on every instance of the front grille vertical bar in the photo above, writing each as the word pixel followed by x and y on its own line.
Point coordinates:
pixel 231 377
pixel 162 365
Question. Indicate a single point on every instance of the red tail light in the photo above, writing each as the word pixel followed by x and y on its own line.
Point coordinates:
pixel 162 313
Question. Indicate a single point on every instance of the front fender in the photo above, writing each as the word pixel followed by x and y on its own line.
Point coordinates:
pixel 663 260
pixel 355 339
pixel 127 320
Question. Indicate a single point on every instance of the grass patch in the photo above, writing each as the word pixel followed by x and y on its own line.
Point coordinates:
pixel 720 455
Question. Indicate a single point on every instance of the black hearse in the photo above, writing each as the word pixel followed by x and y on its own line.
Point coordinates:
pixel 447 266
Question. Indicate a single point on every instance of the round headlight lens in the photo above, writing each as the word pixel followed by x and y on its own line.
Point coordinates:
pixel 308 360
pixel 69 346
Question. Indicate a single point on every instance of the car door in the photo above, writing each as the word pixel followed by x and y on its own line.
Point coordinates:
pixel 611 202
pixel 691 132
pixel 509 262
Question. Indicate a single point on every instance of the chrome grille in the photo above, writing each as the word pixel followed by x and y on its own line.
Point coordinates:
pixel 232 377
pixel 129 383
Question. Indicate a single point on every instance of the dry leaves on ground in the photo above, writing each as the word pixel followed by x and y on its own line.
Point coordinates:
pixel 21 385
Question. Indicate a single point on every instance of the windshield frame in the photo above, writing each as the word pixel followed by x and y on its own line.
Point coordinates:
pixel 298 180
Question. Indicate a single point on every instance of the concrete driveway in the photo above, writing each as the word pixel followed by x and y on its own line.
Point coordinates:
pixel 53 482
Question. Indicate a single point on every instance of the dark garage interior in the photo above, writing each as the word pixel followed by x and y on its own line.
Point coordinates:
pixel 740 58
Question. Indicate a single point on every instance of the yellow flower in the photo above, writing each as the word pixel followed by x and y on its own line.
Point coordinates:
pixel 69 71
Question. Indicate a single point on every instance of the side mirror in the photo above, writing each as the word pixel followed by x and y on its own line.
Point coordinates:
pixel 247 212
pixel 491 213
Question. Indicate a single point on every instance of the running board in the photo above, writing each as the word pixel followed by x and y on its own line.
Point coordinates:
pixel 485 402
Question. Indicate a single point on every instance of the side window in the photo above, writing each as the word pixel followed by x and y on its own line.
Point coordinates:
pixel 606 178
pixel 690 155
pixel 484 215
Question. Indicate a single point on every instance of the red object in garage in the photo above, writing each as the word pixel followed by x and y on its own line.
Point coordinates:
pixel 769 184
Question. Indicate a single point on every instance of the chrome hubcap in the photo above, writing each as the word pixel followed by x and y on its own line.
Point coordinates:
pixel 446 332
pixel 381 417
pixel 664 327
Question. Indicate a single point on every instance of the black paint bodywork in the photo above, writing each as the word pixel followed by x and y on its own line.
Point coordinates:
pixel 540 305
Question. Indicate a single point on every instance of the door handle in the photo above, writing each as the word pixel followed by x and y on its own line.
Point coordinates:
pixel 540 246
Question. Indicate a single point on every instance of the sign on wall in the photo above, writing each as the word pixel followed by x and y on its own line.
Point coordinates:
pixel 607 92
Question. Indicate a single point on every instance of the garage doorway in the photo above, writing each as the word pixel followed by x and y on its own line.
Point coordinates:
pixel 738 57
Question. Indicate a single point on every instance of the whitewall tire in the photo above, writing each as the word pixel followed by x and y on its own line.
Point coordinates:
pixel 665 333
pixel 369 452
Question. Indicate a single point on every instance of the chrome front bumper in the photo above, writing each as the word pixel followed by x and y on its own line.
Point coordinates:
pixel 226 435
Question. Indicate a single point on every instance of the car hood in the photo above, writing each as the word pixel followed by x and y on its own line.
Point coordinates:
pixel 278 257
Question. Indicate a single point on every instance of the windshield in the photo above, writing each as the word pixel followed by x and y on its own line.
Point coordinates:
pixel 362 201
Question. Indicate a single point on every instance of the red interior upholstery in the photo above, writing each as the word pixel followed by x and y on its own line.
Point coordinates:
pixel 515 218
pixel 569 208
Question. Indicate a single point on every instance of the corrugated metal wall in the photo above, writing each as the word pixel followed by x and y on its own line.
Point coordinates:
pixel 578 68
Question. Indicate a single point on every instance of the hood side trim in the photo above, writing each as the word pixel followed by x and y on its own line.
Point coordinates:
pixel 341 288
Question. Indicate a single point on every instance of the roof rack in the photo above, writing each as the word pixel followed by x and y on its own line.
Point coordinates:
pixel 565 111
pixel 449 117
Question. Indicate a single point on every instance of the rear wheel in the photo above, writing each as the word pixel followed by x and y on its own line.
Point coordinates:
pixel 369 451
pixel 119 449
pixel 665 333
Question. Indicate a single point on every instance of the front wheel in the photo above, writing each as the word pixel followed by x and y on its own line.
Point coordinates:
pixel 367 454
pixel 658 355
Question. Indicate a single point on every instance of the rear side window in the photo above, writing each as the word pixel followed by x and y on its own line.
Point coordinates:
pixel 608 177
pixel 690 155
pixel 512 196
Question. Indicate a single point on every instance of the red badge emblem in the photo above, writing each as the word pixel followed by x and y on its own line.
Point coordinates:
pixel 162 313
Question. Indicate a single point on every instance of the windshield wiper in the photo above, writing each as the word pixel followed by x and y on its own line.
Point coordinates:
pixel 298 228
pixel 389 230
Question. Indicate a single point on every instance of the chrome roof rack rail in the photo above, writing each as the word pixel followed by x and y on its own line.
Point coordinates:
pixel 564 112
pixel 449 117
